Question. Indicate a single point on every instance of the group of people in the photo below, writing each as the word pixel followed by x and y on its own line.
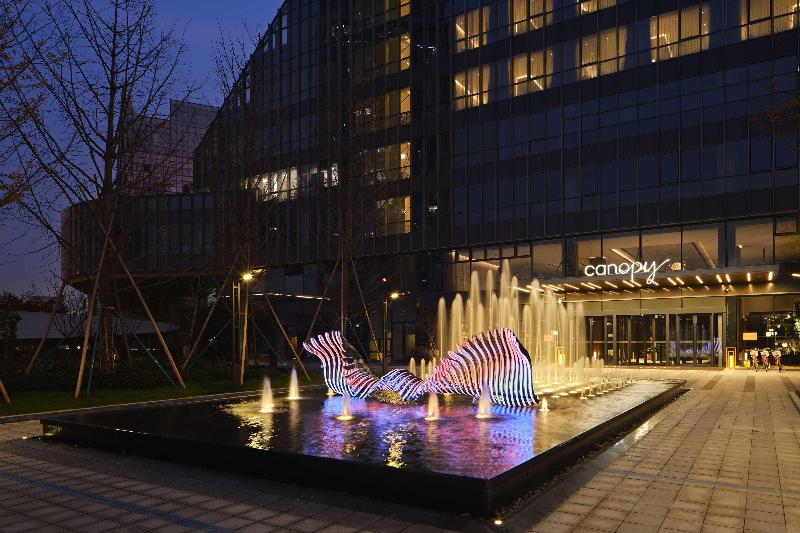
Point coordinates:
pixel 765 354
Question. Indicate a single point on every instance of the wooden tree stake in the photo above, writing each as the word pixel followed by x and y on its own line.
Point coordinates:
pixel 4 393
pixel 208 319
pixel 286 337
pixel 46 329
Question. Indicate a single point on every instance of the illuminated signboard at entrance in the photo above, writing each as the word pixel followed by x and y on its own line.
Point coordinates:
pixel 634 267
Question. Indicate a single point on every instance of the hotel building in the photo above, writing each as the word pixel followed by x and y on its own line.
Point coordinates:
pixel 575 139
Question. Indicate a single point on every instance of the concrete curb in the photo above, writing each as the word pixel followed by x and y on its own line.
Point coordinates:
pixel 796 400
pixel 138 405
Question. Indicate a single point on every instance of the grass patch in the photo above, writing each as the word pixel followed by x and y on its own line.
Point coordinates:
pixel 44 401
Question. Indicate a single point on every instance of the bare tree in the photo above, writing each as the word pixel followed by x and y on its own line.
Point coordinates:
pixel 14 70
pixel 105 68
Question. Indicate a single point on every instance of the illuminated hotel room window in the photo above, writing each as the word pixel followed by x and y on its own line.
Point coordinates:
pixel 589 57
pixel 398 161
pixel 755 17
pixel 679 33
pixel 599 54
pixel 590 6
pixel 405 51
pixel 785 13
pixel 472 29
pixel 529 15
pixel 397 52
pixel 397 107
pixel 471 88
pixel 530 72
pixel 394 215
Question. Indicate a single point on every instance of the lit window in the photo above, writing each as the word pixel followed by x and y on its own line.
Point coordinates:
pixel 785 12
pixel 589 57
pixel 472 29
pixel 529 15
pixel 394 215
pixel 519 74
pixel 405 51
pixel 678 33
pixel 471 88
pixel 590 6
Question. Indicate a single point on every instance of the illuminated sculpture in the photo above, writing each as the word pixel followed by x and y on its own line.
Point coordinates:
pixel 494 359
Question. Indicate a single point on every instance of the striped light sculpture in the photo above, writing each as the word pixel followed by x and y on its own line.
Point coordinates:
pixel 494 358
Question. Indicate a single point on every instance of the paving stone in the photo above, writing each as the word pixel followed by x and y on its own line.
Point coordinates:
pixel 715 460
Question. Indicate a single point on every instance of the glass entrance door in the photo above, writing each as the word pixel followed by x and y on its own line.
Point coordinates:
pixel 657 339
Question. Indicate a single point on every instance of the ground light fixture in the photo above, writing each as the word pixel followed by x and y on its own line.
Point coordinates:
pixel 770 276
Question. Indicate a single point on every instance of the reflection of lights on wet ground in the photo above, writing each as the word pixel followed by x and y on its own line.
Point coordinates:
pixel 643 430
pixel 396 439
pixel 250 416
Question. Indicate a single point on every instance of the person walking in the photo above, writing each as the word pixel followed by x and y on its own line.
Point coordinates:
pixel 776 354
pixel 754 358
pixel 765 359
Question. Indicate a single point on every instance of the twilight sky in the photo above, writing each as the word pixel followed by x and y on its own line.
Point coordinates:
pixel 26 257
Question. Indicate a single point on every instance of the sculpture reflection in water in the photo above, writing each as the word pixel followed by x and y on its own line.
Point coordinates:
pixel 493 364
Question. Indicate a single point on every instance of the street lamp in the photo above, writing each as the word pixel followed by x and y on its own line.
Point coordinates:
pixel 394 295
pixel 247 276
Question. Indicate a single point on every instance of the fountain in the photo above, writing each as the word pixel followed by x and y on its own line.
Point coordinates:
pixel 345 408
pixel 496 344
pixel 484 403
pixel 543 406
pixel 553 332
pixel 433 407
pixel 294 388
pixel 267 405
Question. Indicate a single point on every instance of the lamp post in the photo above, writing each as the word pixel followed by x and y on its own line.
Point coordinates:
pixel 240 324
pixel 392 296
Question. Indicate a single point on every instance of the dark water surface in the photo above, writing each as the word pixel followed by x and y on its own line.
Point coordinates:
pixel 393 435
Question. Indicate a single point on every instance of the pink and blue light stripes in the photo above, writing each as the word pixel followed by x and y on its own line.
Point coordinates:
pixel 494 358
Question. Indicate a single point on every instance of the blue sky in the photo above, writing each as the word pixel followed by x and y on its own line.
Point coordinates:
pixel 25 255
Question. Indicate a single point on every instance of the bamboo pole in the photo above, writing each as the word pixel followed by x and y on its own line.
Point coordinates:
pixel 286 337
pixel 150 317
pixel 366 312
pixel 146 307
pixel 208 318
pixel 122 327
pixel 87 328
pixel 4 393
pixel 46 329
pixel 322 299
pixel 243 355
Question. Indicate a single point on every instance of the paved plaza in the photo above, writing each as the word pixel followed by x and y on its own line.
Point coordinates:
pixel 724 457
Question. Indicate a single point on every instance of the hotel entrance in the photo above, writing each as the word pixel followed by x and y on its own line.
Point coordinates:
pixel 670 339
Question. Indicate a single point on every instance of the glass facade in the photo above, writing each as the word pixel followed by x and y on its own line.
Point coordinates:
pixel 554 134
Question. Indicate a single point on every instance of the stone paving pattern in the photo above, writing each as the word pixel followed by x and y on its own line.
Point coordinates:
pixel 724 457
